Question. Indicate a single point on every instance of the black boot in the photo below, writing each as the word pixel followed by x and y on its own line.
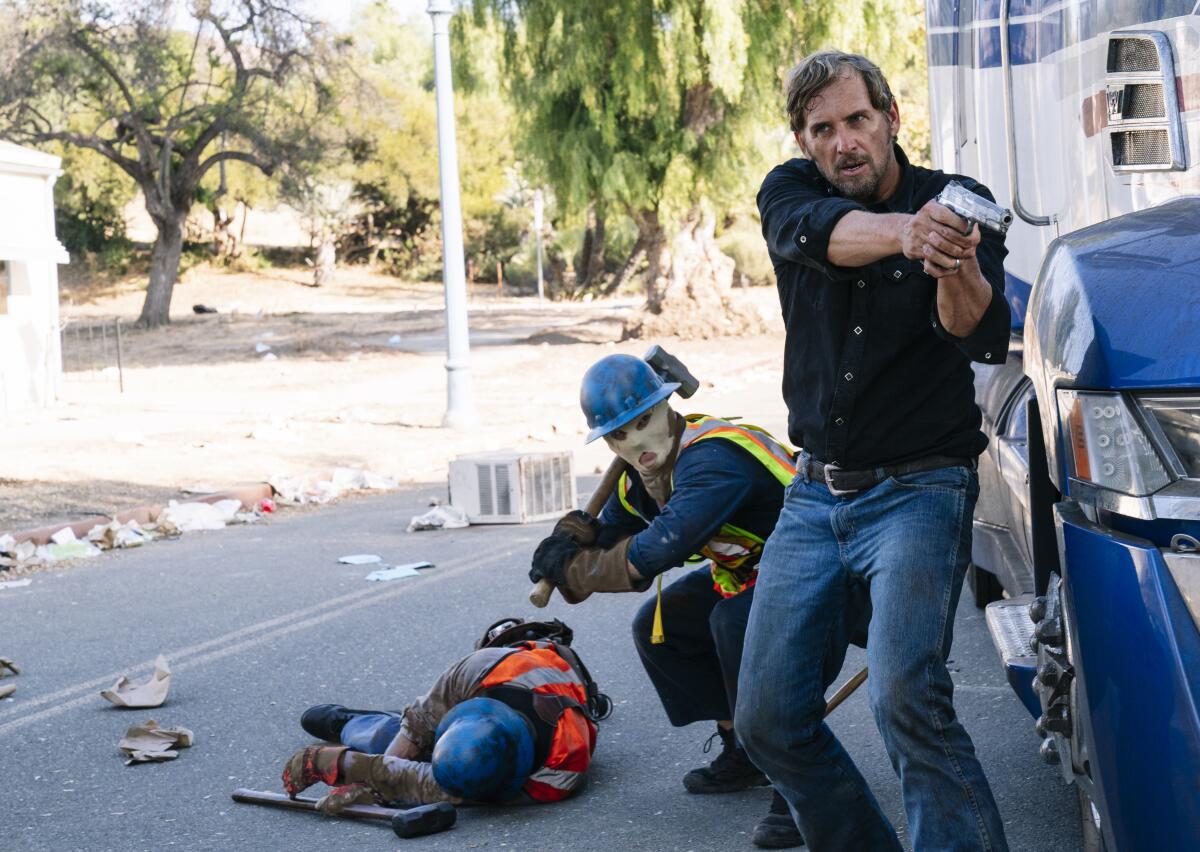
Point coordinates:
pixel 777 830
pixel 325 721
pixel 730 772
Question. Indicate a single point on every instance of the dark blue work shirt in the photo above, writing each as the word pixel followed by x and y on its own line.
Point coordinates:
pixel 715 482
pixel 870 377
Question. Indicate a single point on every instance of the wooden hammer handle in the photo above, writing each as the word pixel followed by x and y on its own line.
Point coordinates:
pixel 539 595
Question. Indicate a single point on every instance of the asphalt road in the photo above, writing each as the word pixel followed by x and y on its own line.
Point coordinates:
pixel 259 622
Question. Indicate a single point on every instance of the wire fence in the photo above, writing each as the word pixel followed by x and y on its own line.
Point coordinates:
pixel 92 352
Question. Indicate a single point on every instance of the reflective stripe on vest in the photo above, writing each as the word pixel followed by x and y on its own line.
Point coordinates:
pixel 732 546
pixel 538 668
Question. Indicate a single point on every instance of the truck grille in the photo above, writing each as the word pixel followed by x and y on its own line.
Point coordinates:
pixel 1130 55
pixel 1144 122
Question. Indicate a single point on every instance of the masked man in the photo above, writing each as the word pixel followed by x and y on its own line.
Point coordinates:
pixel 510 725
pixel 695 486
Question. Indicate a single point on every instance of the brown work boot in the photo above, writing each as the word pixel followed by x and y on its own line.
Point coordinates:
pixel 340 798
pixel 310 765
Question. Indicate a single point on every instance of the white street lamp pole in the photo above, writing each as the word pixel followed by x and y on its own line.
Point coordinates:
pixel 460 410
pixel 537 230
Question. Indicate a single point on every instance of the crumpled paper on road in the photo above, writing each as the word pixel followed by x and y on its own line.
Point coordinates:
pixel 152 693
pixel 13 554
pixel 118 535
pixel 191 517
pixel 439 518
pixel 323 488
pixel 148 742
pixel 64 545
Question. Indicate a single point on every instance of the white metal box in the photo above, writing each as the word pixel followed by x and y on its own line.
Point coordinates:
pixel 511 487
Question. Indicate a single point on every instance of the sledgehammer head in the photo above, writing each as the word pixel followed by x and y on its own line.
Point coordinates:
pixel 671 369
pixel 424 819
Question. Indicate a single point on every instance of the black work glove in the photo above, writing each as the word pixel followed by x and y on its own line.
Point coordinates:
pixel 580 526
pixel 551 557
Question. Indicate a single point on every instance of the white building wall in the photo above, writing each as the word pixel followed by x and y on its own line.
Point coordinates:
pixel 30 353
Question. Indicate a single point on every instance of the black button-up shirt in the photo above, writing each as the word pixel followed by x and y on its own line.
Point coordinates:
pixel 870 377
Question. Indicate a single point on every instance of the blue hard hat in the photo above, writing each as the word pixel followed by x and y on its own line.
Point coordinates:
pixel 618 388
pixel 483 751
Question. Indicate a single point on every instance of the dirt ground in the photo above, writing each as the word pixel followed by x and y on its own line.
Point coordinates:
pixel 354 376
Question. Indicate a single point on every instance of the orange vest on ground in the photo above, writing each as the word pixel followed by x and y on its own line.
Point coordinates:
pixel 539 668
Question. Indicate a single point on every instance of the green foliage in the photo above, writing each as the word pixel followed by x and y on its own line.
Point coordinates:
pixel 392 150
pixel 742 240
pixel 89 201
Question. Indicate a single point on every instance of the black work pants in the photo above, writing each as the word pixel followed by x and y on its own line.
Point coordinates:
pixel 695 671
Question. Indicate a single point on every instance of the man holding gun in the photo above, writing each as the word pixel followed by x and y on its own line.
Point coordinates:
pixel 887 297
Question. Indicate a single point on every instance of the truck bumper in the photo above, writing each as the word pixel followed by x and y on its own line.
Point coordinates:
pixel 1135 650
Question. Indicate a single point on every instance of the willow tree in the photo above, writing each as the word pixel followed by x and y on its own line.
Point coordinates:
pixel 662 111
pixel 249 83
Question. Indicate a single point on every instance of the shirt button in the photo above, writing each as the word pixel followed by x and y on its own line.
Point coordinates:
pixel 839 421
pixel 862 284
pixel 897 274
pixel 987 354
pixel 803 238
pixel 933 323
pixel 849 377
pixel 858 329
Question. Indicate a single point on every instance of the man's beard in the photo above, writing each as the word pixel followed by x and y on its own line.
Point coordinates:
pixel 862 187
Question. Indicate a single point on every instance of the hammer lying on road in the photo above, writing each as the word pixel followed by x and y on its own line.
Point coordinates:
pixel 669 369
pixel 406 822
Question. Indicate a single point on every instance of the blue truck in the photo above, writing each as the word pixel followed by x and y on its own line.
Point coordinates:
pixel 1083 116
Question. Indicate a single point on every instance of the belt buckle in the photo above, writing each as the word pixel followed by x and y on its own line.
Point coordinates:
pixel 829 471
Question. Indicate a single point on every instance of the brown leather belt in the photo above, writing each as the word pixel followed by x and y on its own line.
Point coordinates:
pixel 842 483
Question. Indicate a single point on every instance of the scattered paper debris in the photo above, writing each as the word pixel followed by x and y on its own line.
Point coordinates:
pixel 439 518
pixel 15 584
pixel 200 488
pixel 394 340
pixel 398 572
pixel 64 536
pixel 361 559
pixel 191 517
pixel 270 356
pixel 149 742
pixel 118 535
pixel 262 347
pixel 7 690
pixel 7 665
pixel 322 489
pixel 152 693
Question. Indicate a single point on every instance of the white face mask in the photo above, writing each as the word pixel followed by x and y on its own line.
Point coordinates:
pixel 646 441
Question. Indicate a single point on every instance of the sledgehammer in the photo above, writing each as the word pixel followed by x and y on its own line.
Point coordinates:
pixel 669 369
pixel 406 822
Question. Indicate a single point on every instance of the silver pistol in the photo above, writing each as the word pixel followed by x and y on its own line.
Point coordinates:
pixel 974 208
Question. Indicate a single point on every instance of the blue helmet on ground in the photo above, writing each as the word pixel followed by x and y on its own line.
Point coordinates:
pixel 483 751
pixel 618 388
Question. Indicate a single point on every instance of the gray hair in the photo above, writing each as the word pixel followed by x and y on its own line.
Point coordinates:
pixel 809 77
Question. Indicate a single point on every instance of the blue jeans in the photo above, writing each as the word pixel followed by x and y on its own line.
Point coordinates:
pixel 371 733
pixel 908 540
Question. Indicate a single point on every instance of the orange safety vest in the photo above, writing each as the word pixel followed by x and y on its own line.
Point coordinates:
pixel 538 668
pixel 733 551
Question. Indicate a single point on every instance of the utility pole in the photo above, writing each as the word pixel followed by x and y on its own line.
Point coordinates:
pixel 538 205
pixel 460 410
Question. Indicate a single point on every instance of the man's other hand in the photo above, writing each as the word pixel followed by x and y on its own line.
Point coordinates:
pixel 551 557
pixel 580 526
pixel 934 235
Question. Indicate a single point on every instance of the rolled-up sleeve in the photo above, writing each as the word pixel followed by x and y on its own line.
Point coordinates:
pixel 798 218
pixel 988 343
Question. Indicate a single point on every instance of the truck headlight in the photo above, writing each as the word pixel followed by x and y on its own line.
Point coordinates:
pixel 1179 419
pixel 1108 447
